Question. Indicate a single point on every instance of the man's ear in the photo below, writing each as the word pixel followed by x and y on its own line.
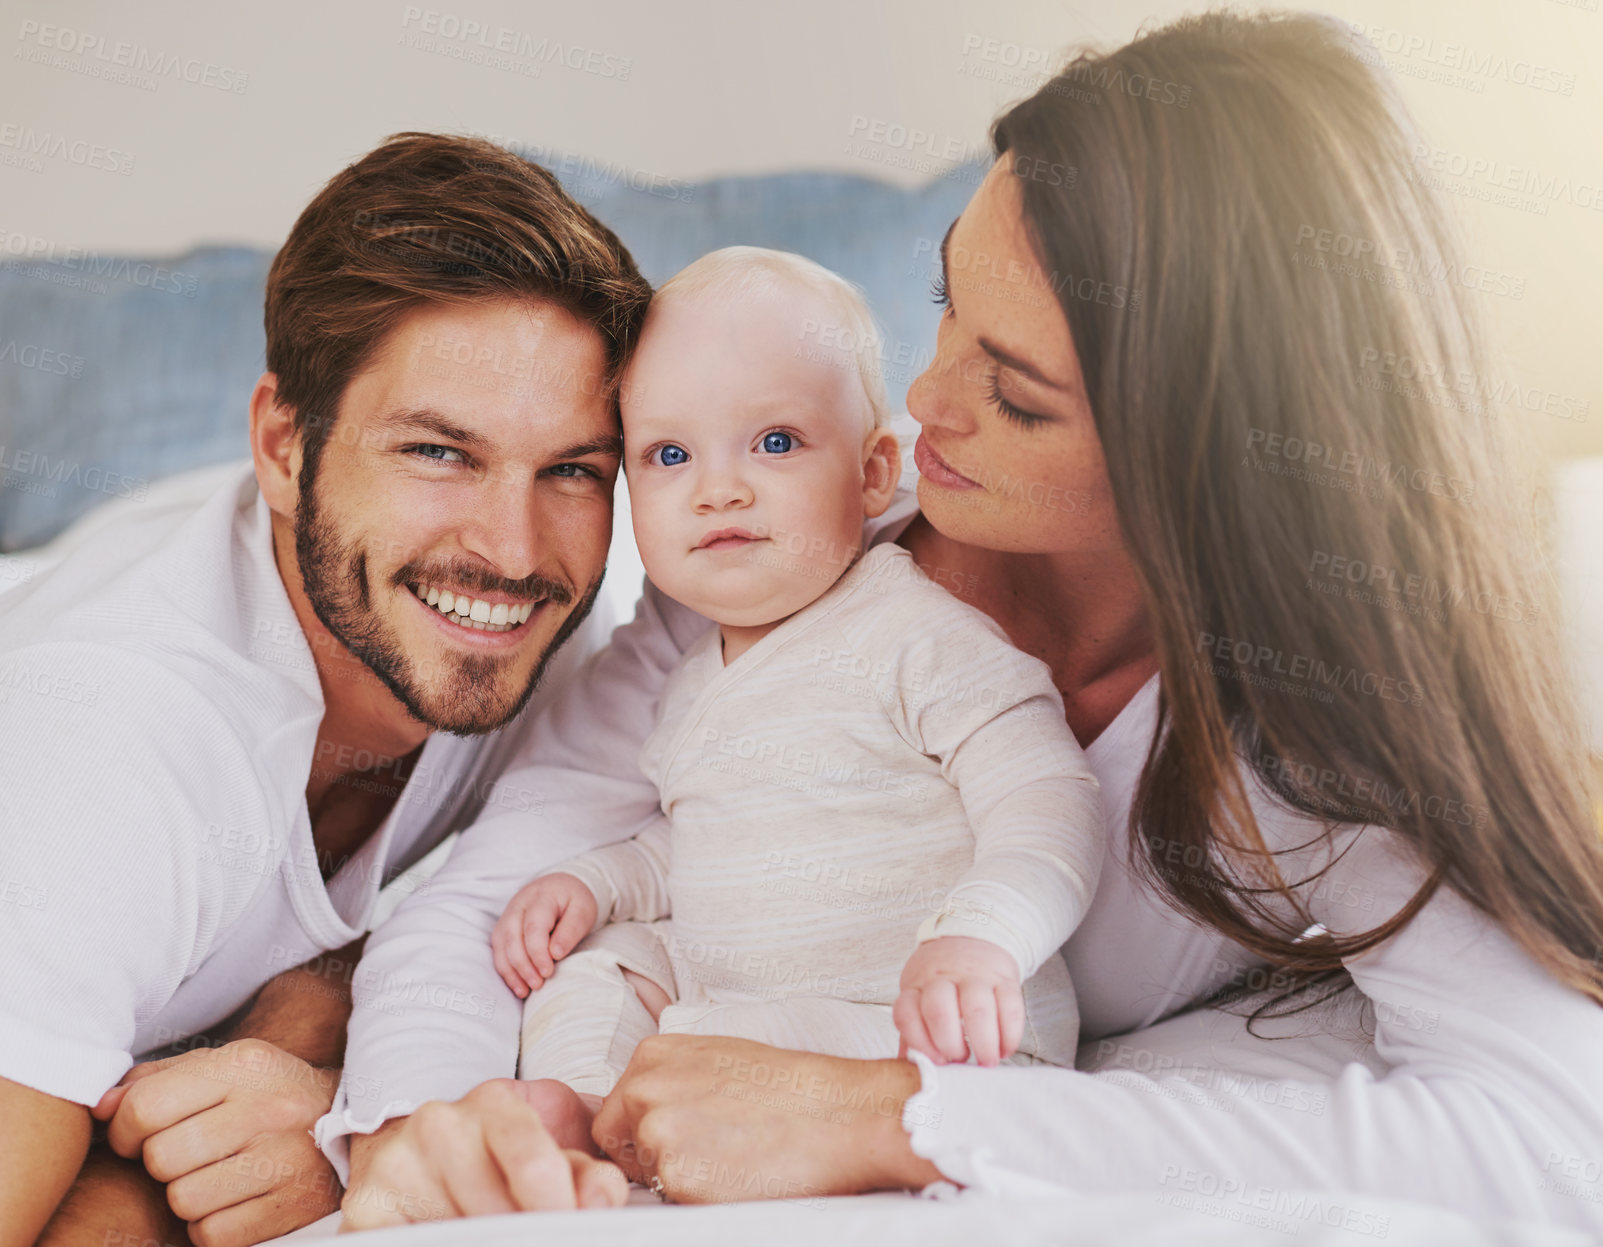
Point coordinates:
pixel 882 470
pixel 275 445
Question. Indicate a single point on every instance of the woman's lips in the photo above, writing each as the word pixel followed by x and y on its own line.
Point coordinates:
pixel 933 468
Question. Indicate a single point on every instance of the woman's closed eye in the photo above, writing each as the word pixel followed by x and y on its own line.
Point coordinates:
pixel 1020 417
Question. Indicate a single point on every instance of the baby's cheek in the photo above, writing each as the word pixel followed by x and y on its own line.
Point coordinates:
pixel 827 537
pixel 651 529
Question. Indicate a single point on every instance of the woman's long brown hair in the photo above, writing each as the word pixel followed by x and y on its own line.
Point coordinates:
pixel 1346 586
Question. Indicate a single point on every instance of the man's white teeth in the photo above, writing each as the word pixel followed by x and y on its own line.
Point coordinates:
pixel 473 613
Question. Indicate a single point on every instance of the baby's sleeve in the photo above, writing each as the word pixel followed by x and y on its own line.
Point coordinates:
pixel 630 879
pixel 991 714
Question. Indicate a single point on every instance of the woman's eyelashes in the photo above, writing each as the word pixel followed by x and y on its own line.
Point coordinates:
pixel 1024 419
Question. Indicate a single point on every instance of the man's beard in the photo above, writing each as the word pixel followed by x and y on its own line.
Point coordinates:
pixel 465 701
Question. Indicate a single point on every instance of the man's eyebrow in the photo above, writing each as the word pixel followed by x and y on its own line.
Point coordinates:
pixel 426 421
pixel 431 422
pixel 611 444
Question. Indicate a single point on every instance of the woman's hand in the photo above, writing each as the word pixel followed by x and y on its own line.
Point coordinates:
pixel 717 1119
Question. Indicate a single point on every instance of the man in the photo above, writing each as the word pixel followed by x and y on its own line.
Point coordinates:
pixel 222 732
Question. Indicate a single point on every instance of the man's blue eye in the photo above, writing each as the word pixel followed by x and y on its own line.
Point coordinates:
pixel 435 452
pixel 671 456
pixel 777 443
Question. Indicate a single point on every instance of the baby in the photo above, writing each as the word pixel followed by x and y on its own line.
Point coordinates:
pixel 876 829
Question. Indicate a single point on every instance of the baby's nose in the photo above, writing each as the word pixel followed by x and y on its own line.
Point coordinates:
pixel 724 489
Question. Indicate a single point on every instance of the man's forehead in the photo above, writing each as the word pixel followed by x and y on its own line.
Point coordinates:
pixel 492 373
pixel 489 334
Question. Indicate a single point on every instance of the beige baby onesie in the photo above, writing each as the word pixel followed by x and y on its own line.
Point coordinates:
pixel 882 768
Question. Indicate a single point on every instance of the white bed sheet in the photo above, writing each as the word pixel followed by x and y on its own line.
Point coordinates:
pixel 973 1220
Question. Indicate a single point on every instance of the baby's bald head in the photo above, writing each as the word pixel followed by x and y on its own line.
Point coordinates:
pixel 834 323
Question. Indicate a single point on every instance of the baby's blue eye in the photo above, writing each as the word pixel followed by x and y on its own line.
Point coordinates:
pixel 777 443
pixel 671 456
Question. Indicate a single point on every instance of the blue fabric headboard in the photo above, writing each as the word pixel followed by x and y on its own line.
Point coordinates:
pixel 116 371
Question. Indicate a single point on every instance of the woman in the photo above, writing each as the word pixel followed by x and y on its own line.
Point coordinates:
pixel 1296 625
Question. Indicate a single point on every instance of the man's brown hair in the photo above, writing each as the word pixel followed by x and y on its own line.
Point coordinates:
pixel 432 218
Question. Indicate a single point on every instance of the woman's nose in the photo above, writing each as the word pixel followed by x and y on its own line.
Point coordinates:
pixel 932 399
pixel 920 394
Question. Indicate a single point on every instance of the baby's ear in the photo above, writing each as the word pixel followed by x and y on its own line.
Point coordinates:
pixel 882 471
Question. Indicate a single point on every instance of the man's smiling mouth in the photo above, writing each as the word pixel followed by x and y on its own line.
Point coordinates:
pixel 472 612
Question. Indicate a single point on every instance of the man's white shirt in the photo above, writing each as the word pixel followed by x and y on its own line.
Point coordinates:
pixel 159 709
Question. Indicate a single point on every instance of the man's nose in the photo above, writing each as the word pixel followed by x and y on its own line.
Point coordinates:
pixel 503 525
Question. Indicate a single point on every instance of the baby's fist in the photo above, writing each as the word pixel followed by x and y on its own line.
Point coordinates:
pixel 960 996
pixel 540 927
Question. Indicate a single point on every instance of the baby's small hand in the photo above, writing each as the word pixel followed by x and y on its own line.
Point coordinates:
pixel 540 927
pixel 954 987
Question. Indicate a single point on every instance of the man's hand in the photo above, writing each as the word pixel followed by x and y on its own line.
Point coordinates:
pixel 485 1153
pixel 960 995
pixel 541 925
pixel 229 1131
